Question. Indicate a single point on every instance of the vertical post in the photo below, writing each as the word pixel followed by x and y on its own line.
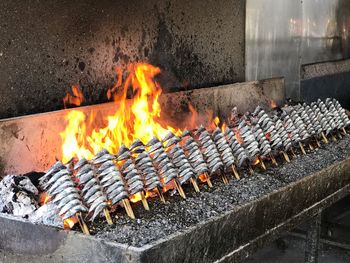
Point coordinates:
pixel 312 242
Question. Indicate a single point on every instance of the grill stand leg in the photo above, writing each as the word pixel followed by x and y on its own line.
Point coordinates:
pixel 313 240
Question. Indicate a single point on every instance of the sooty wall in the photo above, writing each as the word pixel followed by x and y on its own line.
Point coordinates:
pixel 46 46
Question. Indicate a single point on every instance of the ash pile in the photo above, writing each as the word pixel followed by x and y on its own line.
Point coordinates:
pixel 83 190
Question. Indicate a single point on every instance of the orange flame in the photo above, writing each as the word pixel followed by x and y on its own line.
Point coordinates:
pixel 74 99
pixel 70 222
pixel 43 198
pixel 238 137
pixel 273 104
pixel 257 161
pixel 137 118
pixel 137 197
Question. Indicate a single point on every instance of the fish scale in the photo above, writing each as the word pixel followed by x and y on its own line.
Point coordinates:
pixel 204 138
pixel 90 185
pixel 238 151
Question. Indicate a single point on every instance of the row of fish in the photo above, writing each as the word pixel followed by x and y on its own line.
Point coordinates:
pixel 94 186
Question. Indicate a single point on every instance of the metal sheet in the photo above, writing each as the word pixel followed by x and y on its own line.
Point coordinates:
pixel 281 35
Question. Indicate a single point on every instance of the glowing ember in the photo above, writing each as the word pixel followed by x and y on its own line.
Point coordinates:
pixel 43 198
pixel 268 136
pixel 256 162
pixel 203 178
pixel 273 104
pixel 74 99
pixel 137 197
pixel 238 137
pixel 70 222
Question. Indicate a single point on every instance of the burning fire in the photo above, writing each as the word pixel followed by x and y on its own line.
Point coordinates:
pixel 43 198
pixel 136 118
pixel 70 222
pixel 273 104
pixel 74 99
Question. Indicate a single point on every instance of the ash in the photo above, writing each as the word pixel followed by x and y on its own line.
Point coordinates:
pixel 178 215
pixel 17 196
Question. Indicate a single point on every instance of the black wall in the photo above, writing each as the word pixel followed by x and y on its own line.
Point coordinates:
pixel 46 46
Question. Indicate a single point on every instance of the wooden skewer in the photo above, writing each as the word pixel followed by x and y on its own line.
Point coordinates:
pixel 344 131
pixel 292 150
pixel 208 180
pixel 160 194
pixel 334 139
pixel 144 201
pixel 108 216
pixel 262 164
pixel 251 171
pixel 339 134
pixel 224 178
pixel 195 185
pixel 128 208
pixel 273 160
pixel 317 142
pixel 82 224
pixel 234 170
pixel 311 147
pixel 302 148
pixel 286 157
pixel 179 189
pixel 324 138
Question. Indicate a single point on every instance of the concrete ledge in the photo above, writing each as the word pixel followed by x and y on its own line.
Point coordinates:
pixel 315 70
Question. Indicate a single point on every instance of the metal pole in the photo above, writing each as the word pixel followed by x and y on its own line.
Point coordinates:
pixel 313 239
